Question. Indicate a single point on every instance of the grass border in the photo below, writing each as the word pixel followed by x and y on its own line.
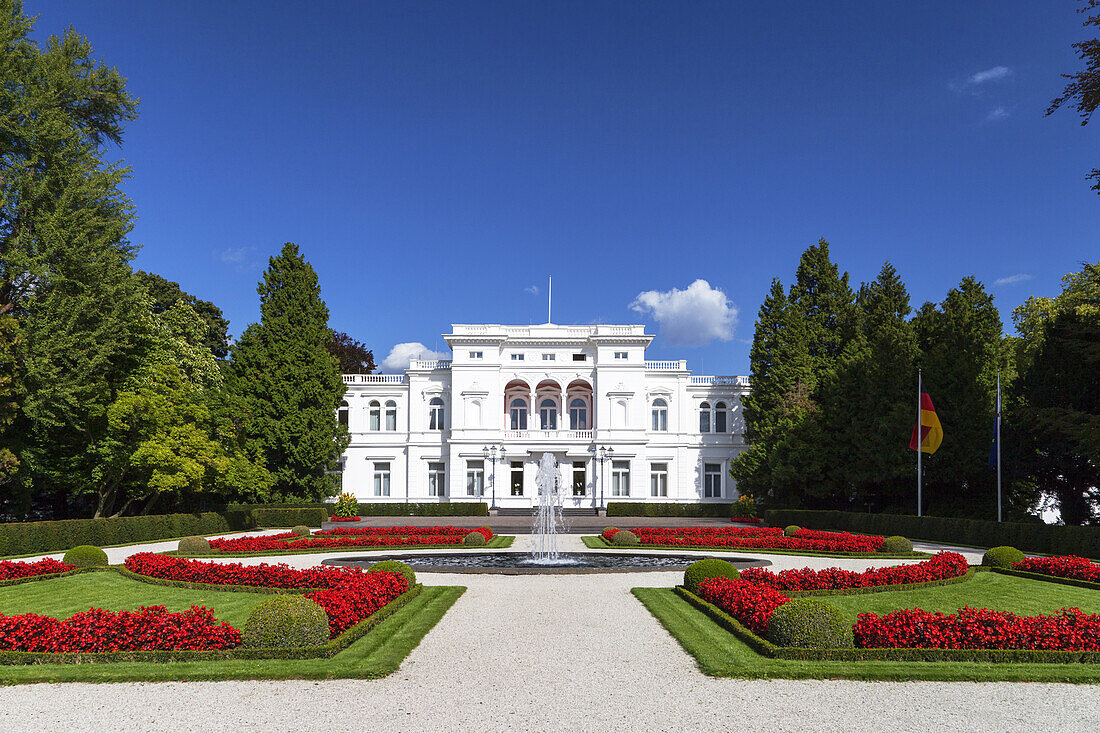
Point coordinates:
pixel 498 542
pixel 880 654
pixel 596 542
pixel 1077 582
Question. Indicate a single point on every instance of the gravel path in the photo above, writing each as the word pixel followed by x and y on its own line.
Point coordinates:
pixel 552 653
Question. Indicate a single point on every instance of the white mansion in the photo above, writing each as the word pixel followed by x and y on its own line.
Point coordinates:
pixel 475 428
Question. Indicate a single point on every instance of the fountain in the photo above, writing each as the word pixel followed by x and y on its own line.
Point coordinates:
pixel 548 520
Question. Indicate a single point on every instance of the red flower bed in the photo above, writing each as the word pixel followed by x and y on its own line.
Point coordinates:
pixel 942 566
pixel 95 630
pixel 747 520
pixel 971 628
pixel 1068 566
pixel 404 531
pixel 335 518
pixel 755 537
pixel 750 603
pixel 274 542
pixel 11 570
pixel 348 595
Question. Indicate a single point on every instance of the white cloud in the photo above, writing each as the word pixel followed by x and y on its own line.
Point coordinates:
pixel 694 316
pixel 532 289
pixel 996 114
pixel 398 359
pixel 242 259
pixel 1012 279
pixel 995 74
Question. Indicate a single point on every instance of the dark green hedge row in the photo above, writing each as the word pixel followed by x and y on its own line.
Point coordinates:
pixel 1001 656
pixel 657 509
pixel 27 538
pixel 1048 539
pixel 337 645
pixel 425 509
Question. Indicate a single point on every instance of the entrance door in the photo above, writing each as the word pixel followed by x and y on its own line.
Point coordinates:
pixel 517 478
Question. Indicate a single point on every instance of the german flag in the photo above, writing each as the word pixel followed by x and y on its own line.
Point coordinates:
pixel 931 432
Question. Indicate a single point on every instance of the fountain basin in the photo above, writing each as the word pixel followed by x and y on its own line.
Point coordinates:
pixel 516 563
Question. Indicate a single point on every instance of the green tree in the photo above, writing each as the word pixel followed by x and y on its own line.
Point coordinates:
pixel 962 348
pixel 165 294
pixel 285 383
pixel 11 388
pixel 1084 86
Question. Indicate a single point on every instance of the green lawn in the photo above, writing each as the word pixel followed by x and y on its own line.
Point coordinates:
pixel 719 653
pixel 377 654
pixel 597 542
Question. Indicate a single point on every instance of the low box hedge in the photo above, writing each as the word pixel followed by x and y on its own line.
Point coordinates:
pixel 658 509
pixel 424 509
pixel 766 648
pixel 1049 539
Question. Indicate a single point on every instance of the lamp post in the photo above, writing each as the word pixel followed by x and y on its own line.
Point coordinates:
pixel 490 453
pixel 606 454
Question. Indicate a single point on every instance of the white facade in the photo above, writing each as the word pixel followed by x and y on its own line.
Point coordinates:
pixel 474 428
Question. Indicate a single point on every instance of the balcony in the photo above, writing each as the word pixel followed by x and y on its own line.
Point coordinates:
pixel 547 435
pixel 721 381
pixel 667 366
pixel 430 364
pixel 374 379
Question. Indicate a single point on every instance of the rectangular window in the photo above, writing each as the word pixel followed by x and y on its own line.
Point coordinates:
pixel 620 354
pixel 620 478
pixel 517 478
pixel 382 479
pixel 475 478
pixel 437 484
pixel 580 357
pixel 475 354
pixel 712 480
pixel 580 481
pixel 517 357
pixel 658 479
pixel 338 474
pixel 549 357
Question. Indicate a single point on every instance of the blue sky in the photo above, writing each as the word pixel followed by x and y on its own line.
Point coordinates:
pixel 437 161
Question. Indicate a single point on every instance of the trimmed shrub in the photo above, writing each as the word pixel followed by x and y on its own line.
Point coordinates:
pixel 395 566
pixel 286 621
pixel 809 624
pixel 474 539
pixel 1002 557
pixel 612 530
pixel 624 537
pixel 85 556
pixel 790 529
pixel 300 529
pixel 665 509
pixel 193 545
pixel 701 570
pixel 896 545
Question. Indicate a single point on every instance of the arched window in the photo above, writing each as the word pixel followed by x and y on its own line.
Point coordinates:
pixel 548 414
pixel 704 417
pixel 342 413
pixel 518 414
pixel 391 415
pixel 435 414
pixel 720 417
pixel 578 414
pixel 660 415
pixel 375 415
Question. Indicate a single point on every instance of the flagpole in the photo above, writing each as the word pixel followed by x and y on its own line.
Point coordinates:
pixel 998 439
pixel 920 440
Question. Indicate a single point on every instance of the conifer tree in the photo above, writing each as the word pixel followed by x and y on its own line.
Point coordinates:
pixel 286 384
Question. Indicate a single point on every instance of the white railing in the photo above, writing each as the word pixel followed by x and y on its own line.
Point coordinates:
pixel 547 435
pixel 374 379
pixel 722 381
pixel 666 366
pixel 430 364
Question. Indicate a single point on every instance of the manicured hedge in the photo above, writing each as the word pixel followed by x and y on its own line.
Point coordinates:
pixel 1031 537
pixel 425 509
pixel 655 509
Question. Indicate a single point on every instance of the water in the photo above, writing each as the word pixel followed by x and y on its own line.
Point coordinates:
pixel 548 522
pixel 521 563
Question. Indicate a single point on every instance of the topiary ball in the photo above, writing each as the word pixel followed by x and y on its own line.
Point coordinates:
pixel 624 537
pixel 790 529
pixel 285 621
pixel 474 539
pixel 192 545
pixel 86 556
pixel 809 624
pixel 394 566
pixel 301 529
pixel 896 545
pixel 701 570
pixel 1002 557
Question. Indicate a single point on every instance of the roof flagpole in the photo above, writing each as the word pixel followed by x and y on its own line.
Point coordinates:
pixel 549 299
